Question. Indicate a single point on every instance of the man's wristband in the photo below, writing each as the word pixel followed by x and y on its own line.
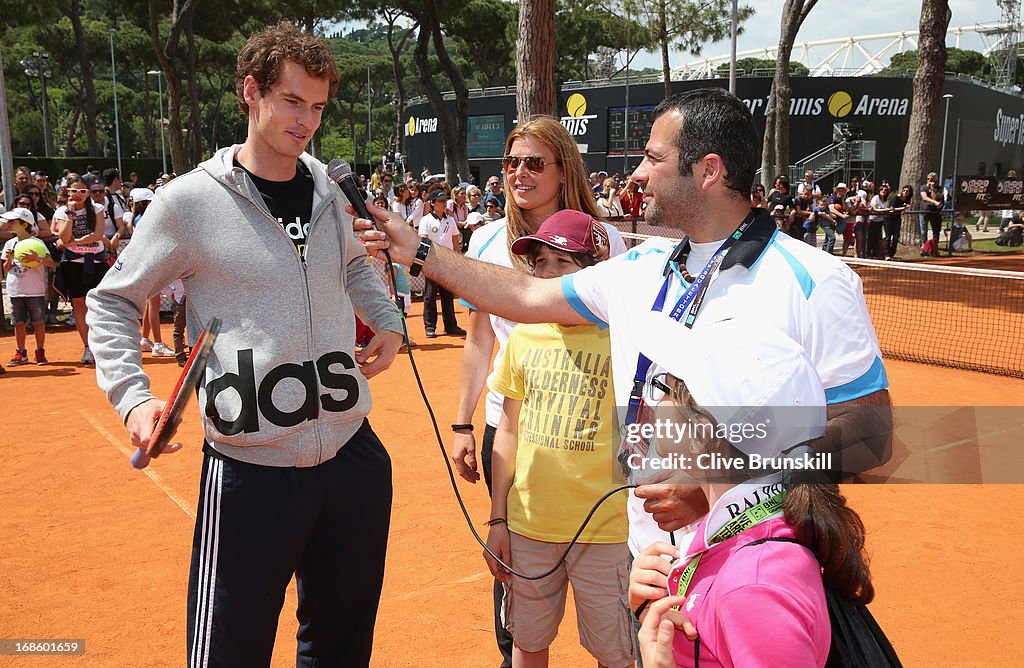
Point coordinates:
pixel 421 256
pixel 496 520
pixel 460 427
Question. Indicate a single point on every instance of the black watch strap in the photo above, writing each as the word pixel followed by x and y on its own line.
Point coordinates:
pixel 468 426
pixel 421 256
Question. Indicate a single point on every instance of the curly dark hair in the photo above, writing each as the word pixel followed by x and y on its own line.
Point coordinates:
pixel 266 51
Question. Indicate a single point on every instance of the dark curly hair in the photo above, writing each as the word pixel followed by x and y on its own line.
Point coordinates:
pixel 266 51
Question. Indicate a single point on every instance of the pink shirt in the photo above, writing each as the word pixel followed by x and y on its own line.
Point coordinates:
pixel 767 606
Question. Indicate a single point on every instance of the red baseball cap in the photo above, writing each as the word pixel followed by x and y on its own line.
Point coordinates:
pixel 569 231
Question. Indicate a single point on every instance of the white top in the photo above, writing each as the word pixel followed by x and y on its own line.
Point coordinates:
pixel 812 296
pixel 80 228
pixel 23 281
pixel 441 232
pixel 878 203
pixel 110 228
pixel 407 210
pixel 489 243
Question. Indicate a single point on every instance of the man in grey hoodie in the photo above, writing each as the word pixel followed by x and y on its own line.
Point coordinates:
pixel 294 480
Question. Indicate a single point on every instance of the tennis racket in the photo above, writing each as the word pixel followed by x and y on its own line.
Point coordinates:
pixel 189 380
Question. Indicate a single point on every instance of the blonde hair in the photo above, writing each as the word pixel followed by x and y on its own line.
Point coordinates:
pixel 575 192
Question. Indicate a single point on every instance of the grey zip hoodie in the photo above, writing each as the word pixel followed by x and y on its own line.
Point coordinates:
pixel 281 387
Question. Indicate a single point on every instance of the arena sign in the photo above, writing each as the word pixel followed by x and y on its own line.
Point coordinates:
pixel 611 135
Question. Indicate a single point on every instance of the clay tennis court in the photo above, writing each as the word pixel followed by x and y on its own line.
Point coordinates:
pixel 94 550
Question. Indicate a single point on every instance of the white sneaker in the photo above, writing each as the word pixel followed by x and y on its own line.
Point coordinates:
pixel 145 345
pixel 87 357
pixel 161 350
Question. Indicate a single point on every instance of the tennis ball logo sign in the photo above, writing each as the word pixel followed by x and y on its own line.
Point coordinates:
pixel 840 104
pixel 577 120
pixel 576 105
pixel 420 125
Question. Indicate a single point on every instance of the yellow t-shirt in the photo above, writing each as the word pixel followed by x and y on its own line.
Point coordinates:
pixel 565 460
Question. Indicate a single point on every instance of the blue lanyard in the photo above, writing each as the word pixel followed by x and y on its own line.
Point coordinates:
pixel 689 303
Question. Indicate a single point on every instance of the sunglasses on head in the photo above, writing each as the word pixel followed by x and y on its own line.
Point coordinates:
pixel 534 163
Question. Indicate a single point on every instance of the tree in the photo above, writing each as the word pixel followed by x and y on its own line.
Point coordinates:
pixel 483 34
pixel 453 130
pixel 167 55
pixel 750 65
pixel 535 59
pixel 919 155
pixel 958 61
pixel 685 24
pixel 73 11
pixel 775 153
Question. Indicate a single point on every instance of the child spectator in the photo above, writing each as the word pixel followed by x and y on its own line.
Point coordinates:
pixel 26 286
pixel 553 459
pixel 772 541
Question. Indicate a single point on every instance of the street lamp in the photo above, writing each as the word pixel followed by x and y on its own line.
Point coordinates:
pixel 942 158
pixel 39 66
pixel 160 86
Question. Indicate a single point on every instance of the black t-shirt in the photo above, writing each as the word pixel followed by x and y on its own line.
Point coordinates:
pixel 291 202
pixel 896 202
pixel 778 197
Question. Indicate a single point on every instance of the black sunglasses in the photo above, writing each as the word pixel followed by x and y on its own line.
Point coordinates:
pixel 534 163
pixel 492 204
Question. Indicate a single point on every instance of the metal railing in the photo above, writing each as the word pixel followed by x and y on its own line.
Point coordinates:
pixel 857 155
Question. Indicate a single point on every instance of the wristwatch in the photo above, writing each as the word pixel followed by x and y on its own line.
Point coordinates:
pixel 421 256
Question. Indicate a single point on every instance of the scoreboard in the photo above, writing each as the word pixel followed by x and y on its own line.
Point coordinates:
pixel 641 118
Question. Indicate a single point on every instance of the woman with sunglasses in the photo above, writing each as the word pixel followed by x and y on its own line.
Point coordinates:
pixel 42 207
pixel 491 210
pixel 544 174
pixel 80 225
pixel 41 228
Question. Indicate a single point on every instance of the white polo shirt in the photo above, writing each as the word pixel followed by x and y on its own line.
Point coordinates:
pixel 441 232
pixel 811 295
pixel 489 243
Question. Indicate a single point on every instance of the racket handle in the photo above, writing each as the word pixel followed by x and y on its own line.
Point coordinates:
pixel 140 459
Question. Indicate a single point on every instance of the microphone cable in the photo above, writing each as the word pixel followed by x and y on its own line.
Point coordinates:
pixel 448 464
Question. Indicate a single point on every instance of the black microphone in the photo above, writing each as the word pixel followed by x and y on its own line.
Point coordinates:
pixel 340 172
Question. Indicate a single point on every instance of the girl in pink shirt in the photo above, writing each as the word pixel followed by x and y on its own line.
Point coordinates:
pixel 747 587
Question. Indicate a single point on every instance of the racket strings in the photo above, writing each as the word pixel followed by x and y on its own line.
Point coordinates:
pixel 448 465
